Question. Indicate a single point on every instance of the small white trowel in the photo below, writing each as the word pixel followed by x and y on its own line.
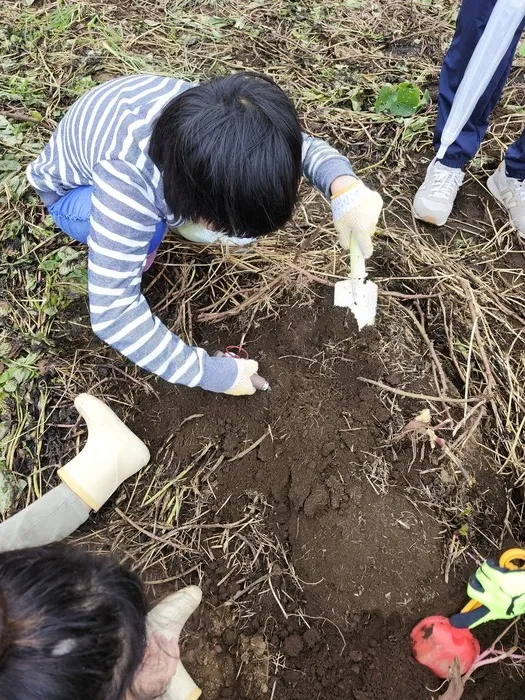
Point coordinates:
pixel 356 293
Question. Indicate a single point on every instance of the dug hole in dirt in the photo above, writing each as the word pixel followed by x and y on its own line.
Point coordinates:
pixel 363 512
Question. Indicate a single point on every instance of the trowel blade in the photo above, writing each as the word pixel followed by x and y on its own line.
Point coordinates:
pixel 360 297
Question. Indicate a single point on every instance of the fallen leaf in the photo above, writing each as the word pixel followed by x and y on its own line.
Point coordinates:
pixel 424 416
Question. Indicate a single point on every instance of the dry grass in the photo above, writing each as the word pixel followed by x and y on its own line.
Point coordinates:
pixel 475 326
pixel 458 292
pixel 172 530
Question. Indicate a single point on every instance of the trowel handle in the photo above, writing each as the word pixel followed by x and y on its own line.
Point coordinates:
pixel 463 620
pixel 357 261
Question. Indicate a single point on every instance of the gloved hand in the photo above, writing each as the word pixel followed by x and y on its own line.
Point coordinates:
pixel 248 380
pixel 501 591
pixel 356 211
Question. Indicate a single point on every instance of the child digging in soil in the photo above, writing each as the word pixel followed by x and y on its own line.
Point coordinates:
pixel 219 161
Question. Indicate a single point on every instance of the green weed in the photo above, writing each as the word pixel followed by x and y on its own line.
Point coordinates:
pixel 17 372
pixel 401 100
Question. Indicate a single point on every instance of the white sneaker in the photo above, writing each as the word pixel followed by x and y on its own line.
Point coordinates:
pixel 510 193
pixel 435 198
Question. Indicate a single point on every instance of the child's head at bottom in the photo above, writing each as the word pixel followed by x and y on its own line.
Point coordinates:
pixel 230 154
pixel 72 625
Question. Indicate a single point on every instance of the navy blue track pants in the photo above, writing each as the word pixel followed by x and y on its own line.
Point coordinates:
pixel 472 19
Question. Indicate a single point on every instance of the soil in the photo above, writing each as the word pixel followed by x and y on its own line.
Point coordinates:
pixel 362 530
pixel 345 502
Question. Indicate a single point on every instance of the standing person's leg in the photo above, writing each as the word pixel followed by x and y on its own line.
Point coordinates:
pixel 515 159
pixel 72 212
pixel 435 198
pixel 111 455
pixel 507 185
pixel 49 519
pixel 472 20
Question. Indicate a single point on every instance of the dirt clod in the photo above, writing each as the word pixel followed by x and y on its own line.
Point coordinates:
pixel 328 448
pixel 311 637
pixel 316 501
pixel 293 645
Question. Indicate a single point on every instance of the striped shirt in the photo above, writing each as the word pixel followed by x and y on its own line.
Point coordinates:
pixel 103 141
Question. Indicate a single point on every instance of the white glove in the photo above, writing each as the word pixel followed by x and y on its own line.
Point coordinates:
pixel 355 212
pixel 248 380
pixel 244 385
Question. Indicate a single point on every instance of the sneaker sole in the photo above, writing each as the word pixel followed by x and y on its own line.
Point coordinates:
pixel 495 193
pixel 429 219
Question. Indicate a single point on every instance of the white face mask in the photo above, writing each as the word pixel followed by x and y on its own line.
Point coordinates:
pixel 198 234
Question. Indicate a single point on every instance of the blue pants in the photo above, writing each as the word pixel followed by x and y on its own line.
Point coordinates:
pixel 472 19
pixel 72 212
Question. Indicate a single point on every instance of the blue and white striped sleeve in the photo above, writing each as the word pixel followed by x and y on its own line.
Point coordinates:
pixel 322 164
pixel 123 221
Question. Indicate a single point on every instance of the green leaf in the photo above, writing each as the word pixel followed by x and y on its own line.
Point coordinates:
pixel 10 489
pixel 401 100
pixel 215 21
pixel 414 125
pixel 19 374
pixel 521 50
pixel 10 386
pixel 9 164
pixel 61 260
pixel 18 371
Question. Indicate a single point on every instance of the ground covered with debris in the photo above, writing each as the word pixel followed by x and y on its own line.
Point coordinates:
pixel 323 519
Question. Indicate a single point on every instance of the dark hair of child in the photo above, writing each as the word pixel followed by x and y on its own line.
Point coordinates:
pixel 72 625
pixel 230 154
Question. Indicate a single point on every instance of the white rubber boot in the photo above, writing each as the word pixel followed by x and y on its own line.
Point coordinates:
pixel 168 618
pixel 111 454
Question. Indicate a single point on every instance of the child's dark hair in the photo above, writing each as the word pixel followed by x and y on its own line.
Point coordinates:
pixel 230 153
pixel 72 625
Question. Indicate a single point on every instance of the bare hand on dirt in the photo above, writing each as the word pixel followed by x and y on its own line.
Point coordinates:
pixel 157 669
